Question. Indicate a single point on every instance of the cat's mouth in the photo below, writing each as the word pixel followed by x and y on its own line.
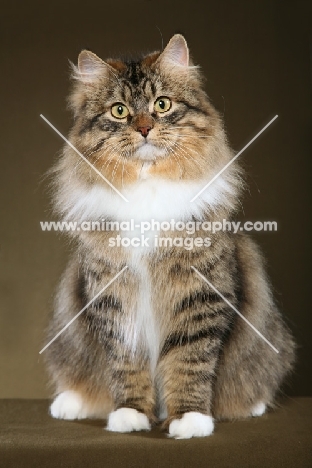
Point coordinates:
pixel 149 152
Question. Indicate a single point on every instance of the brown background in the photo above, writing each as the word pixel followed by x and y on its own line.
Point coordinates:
pixel 255 56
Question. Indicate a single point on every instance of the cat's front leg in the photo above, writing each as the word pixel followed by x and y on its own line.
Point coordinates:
pixel 133 395
pixel 186 377
pixel 188 363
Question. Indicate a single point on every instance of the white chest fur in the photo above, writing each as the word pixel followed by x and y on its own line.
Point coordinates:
pixel 143 327
pixel 157 199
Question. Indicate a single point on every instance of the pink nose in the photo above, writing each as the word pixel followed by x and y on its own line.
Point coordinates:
pixel 144 130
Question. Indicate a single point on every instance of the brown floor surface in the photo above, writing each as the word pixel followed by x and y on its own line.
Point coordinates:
pixel 29 437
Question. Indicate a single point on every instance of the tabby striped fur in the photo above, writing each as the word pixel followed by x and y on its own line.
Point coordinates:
pixel 158 340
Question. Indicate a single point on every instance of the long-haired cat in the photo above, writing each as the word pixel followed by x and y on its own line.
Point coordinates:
pixel 159 343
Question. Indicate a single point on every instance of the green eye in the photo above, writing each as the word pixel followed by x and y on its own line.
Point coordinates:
pixel 119 111
pixel 162 104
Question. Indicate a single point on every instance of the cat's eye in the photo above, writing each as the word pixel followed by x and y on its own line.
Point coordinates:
pixel 162 104
pixel 119 110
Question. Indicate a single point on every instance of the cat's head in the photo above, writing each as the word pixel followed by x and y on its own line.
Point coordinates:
pixel 148 127
pixel 152 112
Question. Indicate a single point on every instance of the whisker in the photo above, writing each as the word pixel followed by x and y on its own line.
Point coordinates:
pixel 194 135
pixel 193 128
pixel 170 149
pixel 182 153
pixel 116 167
pixel 197 160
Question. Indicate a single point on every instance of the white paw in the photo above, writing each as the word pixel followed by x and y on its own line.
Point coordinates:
pixel 68 405
pixel 127 420
pixel 258 409
pixel 191 424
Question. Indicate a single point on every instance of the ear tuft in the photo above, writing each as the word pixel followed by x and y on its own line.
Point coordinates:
pixel 176 52
pixel 89 67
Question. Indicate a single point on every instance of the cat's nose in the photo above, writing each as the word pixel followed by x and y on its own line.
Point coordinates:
pixel 144 130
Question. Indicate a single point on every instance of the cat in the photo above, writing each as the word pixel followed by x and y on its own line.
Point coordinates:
pixel 158 344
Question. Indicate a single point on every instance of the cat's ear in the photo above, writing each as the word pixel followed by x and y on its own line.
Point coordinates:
pixel 90 67
pixel 176 53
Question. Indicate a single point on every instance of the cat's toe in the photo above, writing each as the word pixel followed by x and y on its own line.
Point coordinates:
pixel 68 405
pixel 127 420
pixel 191 424
pixel 258 409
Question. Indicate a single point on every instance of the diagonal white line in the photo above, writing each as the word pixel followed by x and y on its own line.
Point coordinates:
pixel 82 310
pixel 235 310
pixel 232 160
pixel 82 156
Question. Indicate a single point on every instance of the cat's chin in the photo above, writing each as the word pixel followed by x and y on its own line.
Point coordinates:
pixel 149 152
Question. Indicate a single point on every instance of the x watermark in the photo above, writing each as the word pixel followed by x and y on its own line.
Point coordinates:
pixel 83 309
pixel 233 159
pixel 192 200
pixel 82 156
pixel 234 308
